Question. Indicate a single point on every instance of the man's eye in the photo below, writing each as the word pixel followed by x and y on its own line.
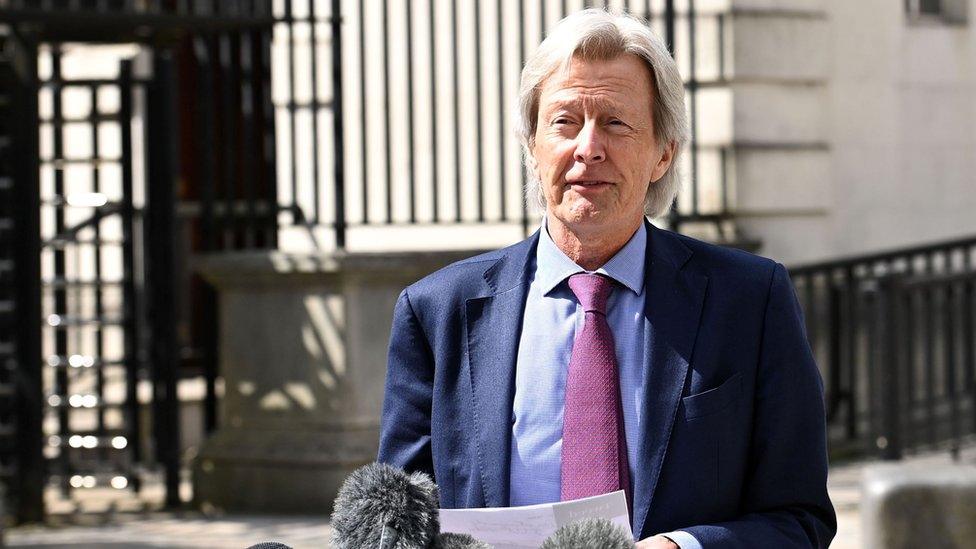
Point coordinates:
pixel 560 121
pixel 616 122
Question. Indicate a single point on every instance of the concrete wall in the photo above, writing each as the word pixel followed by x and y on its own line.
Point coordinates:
pixel 905 166
pixel 855 126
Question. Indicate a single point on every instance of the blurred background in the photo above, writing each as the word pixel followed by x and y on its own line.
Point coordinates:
pixel 208 208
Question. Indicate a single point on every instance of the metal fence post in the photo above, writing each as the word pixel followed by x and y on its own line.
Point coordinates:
pixel 338 137
pixel 674 216
pixel 889 439
pixel 969 339
pixel 31 467
pixel 161 135
pixel 835 331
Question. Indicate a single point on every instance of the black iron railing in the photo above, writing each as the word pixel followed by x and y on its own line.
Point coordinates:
pixel 415 127
pixel 894 327
pixel 926 390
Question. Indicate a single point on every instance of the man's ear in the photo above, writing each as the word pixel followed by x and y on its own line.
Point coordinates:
pixel 531 165
pixel 664 162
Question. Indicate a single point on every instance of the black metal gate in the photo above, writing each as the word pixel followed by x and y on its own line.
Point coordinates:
pixel 90 297
pixel 107 184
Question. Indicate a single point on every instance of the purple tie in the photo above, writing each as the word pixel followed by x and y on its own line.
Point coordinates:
pixel 594 454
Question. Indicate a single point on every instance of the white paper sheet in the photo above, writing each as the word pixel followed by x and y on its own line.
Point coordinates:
pixel 527 527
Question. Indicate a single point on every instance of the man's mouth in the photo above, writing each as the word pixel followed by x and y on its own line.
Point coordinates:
pixel 588 184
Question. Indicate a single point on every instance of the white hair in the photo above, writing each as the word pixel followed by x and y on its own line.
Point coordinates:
pixel 596 35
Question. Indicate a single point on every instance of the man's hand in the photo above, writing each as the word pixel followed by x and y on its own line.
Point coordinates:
pixel 656 542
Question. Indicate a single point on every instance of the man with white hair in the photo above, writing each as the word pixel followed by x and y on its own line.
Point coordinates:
pixel 603 353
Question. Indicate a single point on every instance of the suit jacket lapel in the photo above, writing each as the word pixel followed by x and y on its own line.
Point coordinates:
pixel 494 325
pixel 672 310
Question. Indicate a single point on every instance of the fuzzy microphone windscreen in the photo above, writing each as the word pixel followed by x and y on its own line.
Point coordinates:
pixel 588 533
pixel 382 506
pixel 450 540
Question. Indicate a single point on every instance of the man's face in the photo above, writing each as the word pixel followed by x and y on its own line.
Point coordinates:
pixel 594 148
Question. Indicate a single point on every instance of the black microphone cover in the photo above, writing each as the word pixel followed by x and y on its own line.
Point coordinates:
pixel 450 540
pixel 382 506
pixel 588 533
pixel 270 545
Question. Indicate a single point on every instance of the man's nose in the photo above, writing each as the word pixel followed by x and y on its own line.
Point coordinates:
pixel 589 145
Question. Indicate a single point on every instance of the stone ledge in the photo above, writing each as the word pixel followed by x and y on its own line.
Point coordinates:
pixel 750 145
pixel 250 269
pixel 797 7
pixel 780 12
pixel 297 447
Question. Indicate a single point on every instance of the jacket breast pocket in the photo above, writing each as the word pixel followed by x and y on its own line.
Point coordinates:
pixel 714 400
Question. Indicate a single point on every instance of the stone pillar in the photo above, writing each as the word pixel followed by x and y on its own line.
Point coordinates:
pixel 919 505
pixel 780 126
pixel 303 342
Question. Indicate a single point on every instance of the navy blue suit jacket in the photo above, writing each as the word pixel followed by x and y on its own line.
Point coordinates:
pixel 735 447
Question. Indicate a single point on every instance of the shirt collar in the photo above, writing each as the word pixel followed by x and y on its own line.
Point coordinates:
pixel 626 266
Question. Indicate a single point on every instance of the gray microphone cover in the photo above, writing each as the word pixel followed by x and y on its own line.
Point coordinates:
pixel 450 540
pixel 588 533
pixel 270 545
pixel 379 503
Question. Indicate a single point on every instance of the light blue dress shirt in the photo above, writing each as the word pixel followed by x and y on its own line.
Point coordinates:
pixel 552 318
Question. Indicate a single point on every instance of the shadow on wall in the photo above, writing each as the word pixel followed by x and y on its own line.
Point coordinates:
pixel 302 366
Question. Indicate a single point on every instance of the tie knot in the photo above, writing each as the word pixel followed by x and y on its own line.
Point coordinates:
pixel 592 291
